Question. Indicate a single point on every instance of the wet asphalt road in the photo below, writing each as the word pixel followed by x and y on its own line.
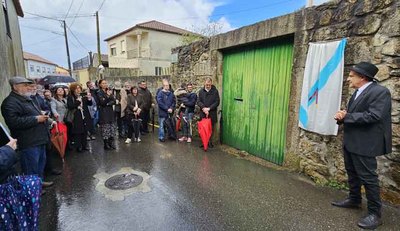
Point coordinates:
pixel 192 190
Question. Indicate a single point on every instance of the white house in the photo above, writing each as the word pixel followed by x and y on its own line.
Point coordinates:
pixel 37 67
pixel 146 46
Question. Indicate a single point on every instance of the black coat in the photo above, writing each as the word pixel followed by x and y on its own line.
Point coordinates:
pixel 147 98
pixel 106 111
pixel 209 99
pixel 94 93
pixel 131 102
pixel 368 124
pixel 190 102
pixel 20 113
pixel 80 124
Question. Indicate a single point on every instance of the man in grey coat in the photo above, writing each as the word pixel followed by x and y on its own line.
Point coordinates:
pixel 367 134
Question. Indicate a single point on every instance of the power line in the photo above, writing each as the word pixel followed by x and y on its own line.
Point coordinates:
pixel 42 41
pixel 101 5
pixel 76 38
pixel 79 9
pixel 37 28
pixel 72 2
pixel 41 16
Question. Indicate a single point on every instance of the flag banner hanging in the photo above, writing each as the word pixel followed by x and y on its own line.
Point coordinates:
pixel 322 87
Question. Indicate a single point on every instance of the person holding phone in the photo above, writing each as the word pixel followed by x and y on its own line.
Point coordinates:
pixel 82 119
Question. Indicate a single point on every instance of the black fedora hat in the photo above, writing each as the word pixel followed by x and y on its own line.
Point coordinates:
pixel 365 69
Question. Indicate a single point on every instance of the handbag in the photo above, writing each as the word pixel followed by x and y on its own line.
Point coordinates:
pixel 20 202
pixel 69 116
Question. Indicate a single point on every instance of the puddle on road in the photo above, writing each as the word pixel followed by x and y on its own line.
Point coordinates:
pixel 119 195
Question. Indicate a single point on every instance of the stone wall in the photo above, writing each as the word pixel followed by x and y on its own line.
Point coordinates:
pixel 194 64
pixel 372 29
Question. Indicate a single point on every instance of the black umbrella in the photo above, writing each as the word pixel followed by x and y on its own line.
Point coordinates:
pixel 52 79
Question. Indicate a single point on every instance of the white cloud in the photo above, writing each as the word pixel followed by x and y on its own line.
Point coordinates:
pixel 115 16
pixel 319 2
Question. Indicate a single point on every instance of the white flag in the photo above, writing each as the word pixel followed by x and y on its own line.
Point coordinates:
pixel 322 87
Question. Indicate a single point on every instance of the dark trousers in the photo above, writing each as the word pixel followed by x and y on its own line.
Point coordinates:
pixel 51 155
pixel 80 140
pixel 119 121
pixel 361 170
pixel 145 116
pixel 134 128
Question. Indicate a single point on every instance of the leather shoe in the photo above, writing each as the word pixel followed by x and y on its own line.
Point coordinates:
pixel 47 183
pixel 371 221
pixel 56 172
pixel 347 203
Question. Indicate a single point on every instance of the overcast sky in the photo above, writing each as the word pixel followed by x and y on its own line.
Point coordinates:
pixel 44 37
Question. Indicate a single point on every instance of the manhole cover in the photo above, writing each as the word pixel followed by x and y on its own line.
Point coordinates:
pixel 123 181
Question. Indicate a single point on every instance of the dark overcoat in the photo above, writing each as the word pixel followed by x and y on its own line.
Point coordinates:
pixel 82 119
pixel 209 99
pixel 106 111
pixel 368 124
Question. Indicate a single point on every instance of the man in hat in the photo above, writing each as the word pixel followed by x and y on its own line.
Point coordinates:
pixel 367 134
pixel 28 125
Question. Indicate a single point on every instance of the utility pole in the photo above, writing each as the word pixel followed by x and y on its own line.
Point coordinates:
pixel 309 3
pixel 98 38
pixel 66 45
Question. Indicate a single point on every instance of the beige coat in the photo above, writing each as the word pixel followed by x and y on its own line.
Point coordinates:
pixel 124 102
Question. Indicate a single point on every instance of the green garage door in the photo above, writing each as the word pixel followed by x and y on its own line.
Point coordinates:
pixel 256 86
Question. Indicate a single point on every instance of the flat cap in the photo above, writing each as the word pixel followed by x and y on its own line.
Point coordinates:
pixel 19 80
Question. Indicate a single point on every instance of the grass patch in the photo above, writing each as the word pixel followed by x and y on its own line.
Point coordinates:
pixel 337 185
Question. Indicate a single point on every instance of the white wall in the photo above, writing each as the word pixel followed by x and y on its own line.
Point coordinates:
pixel 161 44
pixel 49 69
pixel 147 67
pixel 155 50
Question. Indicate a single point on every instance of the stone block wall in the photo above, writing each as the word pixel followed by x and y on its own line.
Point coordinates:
pixel 372 29
pixel 193 66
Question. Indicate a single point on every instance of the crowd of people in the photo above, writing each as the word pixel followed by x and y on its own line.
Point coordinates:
pixel 30 112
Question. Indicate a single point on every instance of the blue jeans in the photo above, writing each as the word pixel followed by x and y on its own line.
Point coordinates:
pixel 187 124
pixel 33 160
pixel 95 120
pixel 161 128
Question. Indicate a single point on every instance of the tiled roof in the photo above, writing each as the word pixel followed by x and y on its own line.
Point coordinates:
pixel 153 25
pixel 30 56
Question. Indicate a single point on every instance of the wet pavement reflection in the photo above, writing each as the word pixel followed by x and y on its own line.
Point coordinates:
pixel 191 190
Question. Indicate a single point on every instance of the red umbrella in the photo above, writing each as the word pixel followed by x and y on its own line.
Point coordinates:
pixel 59 138
pixel 205 131
pixel 178 122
